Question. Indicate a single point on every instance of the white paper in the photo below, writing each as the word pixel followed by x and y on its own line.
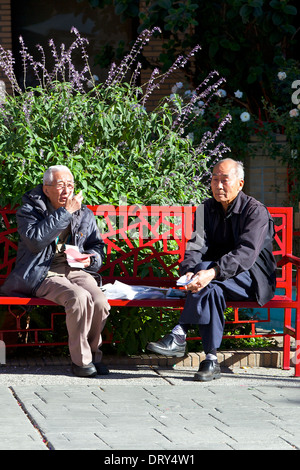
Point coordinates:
pixel 183 281
pixel 119 290
pixel 74 256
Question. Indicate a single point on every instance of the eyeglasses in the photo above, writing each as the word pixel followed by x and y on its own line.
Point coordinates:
pixel 61 186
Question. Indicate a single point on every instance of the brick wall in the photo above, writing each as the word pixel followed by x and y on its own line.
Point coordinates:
pixel 265 177
pixel 297 219
pixel 152 52
pixel 5 32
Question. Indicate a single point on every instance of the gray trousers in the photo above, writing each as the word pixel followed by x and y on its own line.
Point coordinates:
pixel 86 310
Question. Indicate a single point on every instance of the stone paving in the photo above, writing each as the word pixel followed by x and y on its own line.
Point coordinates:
pixel 150 408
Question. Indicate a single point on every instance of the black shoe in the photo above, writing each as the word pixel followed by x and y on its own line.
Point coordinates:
pixel 84 371
pixel 208 370
pixel 102 369
pixel 167 346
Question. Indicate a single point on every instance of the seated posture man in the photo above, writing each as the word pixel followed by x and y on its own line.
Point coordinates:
pixel 229 257
pixel 50 217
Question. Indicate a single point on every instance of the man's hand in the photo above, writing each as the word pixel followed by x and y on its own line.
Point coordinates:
pixel 73 203
pixel 200 279
pixel 86 262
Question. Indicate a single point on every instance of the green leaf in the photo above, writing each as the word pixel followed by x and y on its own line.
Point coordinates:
pixel 289 10
pixel 166 4
pixel 277 18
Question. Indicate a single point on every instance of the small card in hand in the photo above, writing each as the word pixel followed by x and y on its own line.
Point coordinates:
pixel 183 281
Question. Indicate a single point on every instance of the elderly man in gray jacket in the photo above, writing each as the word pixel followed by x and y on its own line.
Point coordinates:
pixel 50 217
pixel 228 258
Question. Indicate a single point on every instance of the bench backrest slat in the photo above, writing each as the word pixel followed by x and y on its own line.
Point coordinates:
pixel 144 244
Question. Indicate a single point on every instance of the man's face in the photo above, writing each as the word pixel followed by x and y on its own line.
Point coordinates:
pixel 61 188
pixel 225 184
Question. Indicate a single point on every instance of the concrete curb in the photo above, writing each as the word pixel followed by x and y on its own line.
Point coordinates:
pixel 233 358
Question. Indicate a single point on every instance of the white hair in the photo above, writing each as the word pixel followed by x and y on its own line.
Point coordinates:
pixel 240 170
pixel 48 175
pixel 239 167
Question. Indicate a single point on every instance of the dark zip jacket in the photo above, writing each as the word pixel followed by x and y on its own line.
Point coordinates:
pixel 38 230
pixel 239 240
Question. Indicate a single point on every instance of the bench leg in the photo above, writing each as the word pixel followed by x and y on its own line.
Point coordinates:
pixel 295 332
pixel 286 351
pixel 287 339
pixel 297 365
pixel 297 338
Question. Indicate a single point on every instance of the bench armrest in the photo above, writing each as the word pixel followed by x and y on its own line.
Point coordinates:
pixel 289 259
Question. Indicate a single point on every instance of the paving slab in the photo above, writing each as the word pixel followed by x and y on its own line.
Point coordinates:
pixel 148 408
pixel 16 428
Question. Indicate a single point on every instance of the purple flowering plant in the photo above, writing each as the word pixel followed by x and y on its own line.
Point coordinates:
pixel 114 146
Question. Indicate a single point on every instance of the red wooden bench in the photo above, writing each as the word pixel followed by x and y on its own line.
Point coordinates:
pixel 144 246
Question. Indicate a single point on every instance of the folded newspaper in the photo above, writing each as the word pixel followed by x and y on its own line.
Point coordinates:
pixel 119 290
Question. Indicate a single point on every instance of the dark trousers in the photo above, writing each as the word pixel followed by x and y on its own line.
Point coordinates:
pixel 206 307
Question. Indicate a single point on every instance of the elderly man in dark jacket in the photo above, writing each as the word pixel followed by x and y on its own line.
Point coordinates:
pixel 229 257
pixel 50 217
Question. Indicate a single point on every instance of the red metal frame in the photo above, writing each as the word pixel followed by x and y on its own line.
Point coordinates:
pixel 155 238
